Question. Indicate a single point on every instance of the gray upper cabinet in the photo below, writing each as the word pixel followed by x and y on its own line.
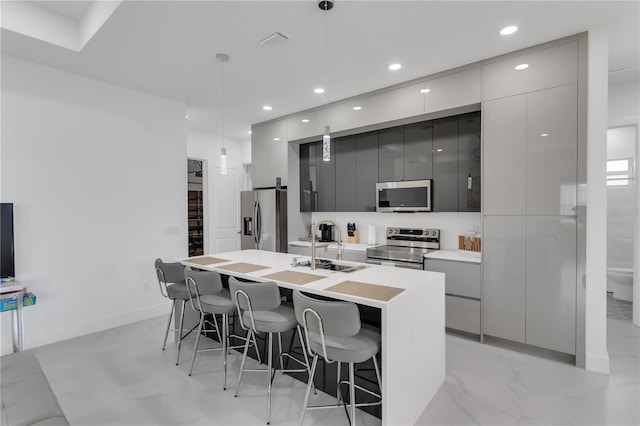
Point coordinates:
pixel 505 156
pixel 550 67
pixel 445 165
pixel 269 144
pixel 308 177
pixel 552 144
pixel 418 147
pixel 396 103
pixel 391 155
pixel 366 171
pixel 469 163
pixel 453 90
pixel 349 114
pixel 345 160
pixel 306 124
pixel 551 283
pixel 503 281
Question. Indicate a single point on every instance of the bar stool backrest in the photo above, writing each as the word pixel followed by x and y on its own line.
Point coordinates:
pixel 339 319
pixel 253 296
pixel 200 283
pixel 168 273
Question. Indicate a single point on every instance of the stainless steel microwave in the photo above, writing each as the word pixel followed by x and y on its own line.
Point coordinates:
pixel 405 196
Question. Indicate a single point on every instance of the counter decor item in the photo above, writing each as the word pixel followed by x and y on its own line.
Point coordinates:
pixel 352 234
pixel 470 242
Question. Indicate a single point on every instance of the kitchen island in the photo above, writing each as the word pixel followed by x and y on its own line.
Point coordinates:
pixel 412 320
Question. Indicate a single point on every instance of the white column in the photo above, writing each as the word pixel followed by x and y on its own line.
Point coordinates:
pixel 597 357
pixel 636 241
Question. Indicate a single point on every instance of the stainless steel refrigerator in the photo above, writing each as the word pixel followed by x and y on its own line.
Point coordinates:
pixel 263 217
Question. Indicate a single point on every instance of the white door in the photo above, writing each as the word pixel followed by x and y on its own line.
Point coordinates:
pixel 225 206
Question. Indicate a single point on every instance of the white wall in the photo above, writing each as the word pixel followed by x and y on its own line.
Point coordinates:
pixel 97 174
pixel 204 146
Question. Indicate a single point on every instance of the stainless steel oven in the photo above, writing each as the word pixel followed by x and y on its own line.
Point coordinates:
pixel 405 247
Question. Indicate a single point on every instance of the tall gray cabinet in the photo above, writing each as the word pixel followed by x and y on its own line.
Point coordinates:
pixel 530 189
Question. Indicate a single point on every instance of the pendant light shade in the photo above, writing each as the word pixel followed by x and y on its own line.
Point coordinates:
pixel 223 161
pixel 326 144
pixel 222 58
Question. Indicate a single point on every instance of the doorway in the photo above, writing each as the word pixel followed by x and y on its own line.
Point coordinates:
pixel 195 206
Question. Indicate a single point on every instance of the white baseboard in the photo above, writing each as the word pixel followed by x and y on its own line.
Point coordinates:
pixel 597 363
pixel 35 338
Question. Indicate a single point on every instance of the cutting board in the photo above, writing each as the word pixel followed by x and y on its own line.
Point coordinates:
pixel 294 277
pixel 370 291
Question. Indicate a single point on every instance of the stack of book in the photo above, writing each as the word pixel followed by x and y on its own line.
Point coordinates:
pixel 10 290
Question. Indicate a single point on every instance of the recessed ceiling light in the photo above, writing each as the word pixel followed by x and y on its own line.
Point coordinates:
pixel 394 67
pixel 508 30
pixel 267 108
pixel 521 67
pixel 249 132
pixel 318 90
pixel 425 90
pixel 439 150
pixel 357 108
pixel 544 135
pixel 276 139
pixel 305 120
pixel 186 116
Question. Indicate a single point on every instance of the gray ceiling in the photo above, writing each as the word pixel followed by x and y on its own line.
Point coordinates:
pixel 168 48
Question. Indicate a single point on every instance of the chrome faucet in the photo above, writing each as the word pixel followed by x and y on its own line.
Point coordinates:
pixel 314 231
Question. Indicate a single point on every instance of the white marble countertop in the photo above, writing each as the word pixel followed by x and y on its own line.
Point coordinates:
pixel 332 245
pixel 456 255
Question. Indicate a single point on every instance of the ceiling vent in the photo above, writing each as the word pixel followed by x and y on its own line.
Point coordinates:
pixel 274 40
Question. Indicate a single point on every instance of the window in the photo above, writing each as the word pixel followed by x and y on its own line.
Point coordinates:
pixel 620 172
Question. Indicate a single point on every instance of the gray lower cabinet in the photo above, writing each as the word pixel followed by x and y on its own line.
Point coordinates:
pixel 551 283
pixel 366 171
pixel 462 293
pixel 445 165
pixel 345 160
pixel 503 284
pixel 391 155
pixel 529 282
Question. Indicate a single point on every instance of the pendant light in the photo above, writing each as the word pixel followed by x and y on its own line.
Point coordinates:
pixel 326 5
pixel 222 58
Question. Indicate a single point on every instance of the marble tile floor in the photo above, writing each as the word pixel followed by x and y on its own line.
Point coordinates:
pixel 122 377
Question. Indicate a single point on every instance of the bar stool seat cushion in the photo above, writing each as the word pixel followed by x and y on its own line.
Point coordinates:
pixel 178 291
pixel 278 320
pixel 219 303
pixel 358 348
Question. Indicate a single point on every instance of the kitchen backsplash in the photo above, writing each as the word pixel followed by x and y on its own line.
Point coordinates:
pixel 451 225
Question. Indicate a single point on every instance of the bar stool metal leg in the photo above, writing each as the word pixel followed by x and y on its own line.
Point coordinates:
pixel 244 359
pixel 352 394
pixel 270 375
pixel 314 363
pixel 195 346
pixel 225 325
pixel 180 331
pixel 166 334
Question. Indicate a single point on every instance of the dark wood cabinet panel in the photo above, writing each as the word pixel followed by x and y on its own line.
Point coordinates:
pixel 418 146
pixel 345 160
pixel 366 171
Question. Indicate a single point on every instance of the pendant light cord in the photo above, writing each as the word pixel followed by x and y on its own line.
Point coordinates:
pixel 326 62
pixel 222 97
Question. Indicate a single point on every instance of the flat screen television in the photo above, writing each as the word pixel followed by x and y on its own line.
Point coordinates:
pixel 7 265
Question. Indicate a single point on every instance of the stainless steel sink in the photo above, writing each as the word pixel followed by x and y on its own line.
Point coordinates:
pixel 334 266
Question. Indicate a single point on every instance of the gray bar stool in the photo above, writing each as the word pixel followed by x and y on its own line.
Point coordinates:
pixel 260 311
pixel 333 330
pixel 172 286
pixel 208 296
